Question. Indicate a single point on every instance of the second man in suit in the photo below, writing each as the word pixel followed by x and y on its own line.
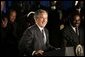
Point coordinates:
pixel 73 33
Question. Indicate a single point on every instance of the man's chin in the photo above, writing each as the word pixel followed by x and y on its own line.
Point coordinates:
pixel 77 25
pixel 43 26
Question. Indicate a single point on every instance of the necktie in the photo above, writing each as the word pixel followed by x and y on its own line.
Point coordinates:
pixel 43 35
pixel 77 31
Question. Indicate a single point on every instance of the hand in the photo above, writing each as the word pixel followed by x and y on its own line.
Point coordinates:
pixel 4 22
pixel 39 53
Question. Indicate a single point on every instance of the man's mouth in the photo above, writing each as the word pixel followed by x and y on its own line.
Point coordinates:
pixel 77 24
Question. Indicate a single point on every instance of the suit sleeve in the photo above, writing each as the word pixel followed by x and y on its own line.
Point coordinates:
pixel 26 43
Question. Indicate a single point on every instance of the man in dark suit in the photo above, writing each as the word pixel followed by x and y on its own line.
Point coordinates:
pixel 73 33
pixel 35 39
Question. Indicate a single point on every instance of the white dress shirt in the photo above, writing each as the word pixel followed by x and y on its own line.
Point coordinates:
pixel 74 28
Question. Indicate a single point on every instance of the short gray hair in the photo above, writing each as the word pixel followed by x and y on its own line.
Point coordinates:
pixel 38 12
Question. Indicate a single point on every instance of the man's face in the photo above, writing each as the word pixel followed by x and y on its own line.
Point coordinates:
pixel 12 16
pixel 76 21
pixel 42 19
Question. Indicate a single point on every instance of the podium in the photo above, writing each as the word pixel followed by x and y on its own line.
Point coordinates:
pixel 69 51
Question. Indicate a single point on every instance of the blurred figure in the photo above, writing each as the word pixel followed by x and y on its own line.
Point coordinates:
pixel 79 5
pixel 12 37
pixel 54 23
pixel 79 8
pixel 2 5
pixel 73 33
pixel 2 10
pixel 22 8
pixel 3 31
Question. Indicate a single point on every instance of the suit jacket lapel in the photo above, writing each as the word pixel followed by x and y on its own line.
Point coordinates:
pixel 39 32
pixel 74 35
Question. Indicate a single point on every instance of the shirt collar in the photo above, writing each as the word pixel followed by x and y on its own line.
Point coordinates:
pixel 73 28
pixel 39 27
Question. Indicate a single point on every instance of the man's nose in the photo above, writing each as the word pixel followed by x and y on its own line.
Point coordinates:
pixel 44 20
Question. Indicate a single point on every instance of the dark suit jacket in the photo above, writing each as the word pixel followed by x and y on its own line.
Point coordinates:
pixel 71 38
pixel 32 40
